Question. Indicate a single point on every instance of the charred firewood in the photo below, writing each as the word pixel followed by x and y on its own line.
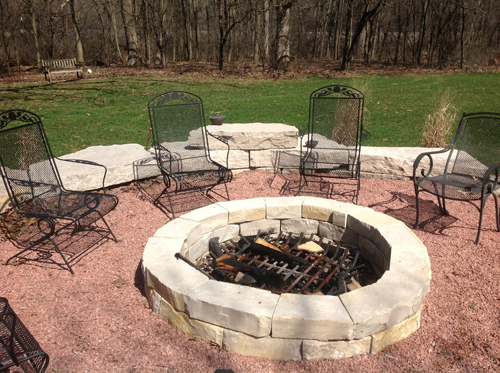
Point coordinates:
pixel 220 275
pixel 215 249
pixel 276 254
pixel 261 275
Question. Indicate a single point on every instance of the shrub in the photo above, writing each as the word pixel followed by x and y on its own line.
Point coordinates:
pixel 437 128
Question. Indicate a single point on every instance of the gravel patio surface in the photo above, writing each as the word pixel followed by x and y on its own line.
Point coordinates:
pixel 98 320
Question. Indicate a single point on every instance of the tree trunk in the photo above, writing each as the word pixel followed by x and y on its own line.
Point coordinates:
pixel 132 45
pixel 186 30
pixel 348 37
pixel 35 34
pixel 256 36
pixel 146 31
pixel 281 55
pixel 337 31
pixel 78 39
pixel 367 15
pixel 423 30
pixel 267 45
pixel 110 8
pixel 195 6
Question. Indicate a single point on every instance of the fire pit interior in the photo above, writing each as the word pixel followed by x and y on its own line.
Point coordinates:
pixel 325 280
pixel 288 263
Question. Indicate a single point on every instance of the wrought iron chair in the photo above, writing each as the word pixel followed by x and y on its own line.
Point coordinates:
pixel 471 171
pixel 331 143
pixel 35 188
pixel 182 148
pixel 18 348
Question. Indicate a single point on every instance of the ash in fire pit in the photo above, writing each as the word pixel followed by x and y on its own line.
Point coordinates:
pixel 289 263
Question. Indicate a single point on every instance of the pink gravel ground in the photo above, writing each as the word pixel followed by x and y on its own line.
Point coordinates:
pixel 98 320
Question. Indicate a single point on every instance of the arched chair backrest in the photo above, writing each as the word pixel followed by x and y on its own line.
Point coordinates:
pixel 26 159
pixel 336 112
pixel 476 144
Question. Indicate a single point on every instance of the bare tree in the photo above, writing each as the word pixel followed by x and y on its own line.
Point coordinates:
pixel 78 39
pixel 230 14
pixel 110 7
pixel 129 24
pixel 281 44
pixel 369 10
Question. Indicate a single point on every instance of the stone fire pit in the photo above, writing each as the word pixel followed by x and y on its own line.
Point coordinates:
pixel 256 322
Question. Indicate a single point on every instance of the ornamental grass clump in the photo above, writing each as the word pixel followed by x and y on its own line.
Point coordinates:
pixel 437 128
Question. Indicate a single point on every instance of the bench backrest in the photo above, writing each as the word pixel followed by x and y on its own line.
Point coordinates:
pixel 59 64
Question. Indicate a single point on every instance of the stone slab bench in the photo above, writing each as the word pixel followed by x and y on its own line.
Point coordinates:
pixel 267 147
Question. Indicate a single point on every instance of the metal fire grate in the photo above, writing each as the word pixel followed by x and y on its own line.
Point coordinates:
pixel 288 263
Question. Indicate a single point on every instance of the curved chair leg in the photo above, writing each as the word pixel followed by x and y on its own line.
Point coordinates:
pixel 483 202
pixel 444 210
pixel 497 211
pixel 45 235
pixel 480 221
pixel 302 183
pixel 417 205
pixel 62 255
pixel 358 187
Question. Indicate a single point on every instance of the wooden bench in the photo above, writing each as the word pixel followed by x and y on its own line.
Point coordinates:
pixel 61 66
pixel 18 348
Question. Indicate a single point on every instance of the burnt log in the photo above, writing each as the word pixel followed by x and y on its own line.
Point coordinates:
pixel 215 247
pixel 277 254
pixel 260 275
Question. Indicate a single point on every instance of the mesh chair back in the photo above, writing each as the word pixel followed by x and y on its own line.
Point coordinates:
pixel 476 144
pixel 26 160
pixel 335 121
pixel 178 125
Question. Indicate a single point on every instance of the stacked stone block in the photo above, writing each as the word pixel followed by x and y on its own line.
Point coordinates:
pixel 289 326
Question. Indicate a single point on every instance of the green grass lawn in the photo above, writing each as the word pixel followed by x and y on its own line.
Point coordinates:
pixel 104 111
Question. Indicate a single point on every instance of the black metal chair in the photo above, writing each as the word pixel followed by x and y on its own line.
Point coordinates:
pixel 35 188
pixel 331 143
pixel 471 172
pixel 18 348
pixel 182 149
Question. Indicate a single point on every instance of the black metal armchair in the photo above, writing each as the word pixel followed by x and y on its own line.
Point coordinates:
pixel 182 148
pixel 18 348
pixel 331 143
pixel 35 189
pixel 471 172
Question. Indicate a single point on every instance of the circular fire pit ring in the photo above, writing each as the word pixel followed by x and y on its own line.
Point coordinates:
pixel 257 322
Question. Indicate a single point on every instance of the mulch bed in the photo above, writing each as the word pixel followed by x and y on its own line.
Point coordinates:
pixel 99 320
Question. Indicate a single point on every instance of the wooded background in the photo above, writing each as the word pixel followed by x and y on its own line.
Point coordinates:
pixel 271 33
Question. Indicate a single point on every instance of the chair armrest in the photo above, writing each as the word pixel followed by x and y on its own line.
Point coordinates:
pixel 162 155
pixel 487 183
pixel 220 138
pixel 89 163
pixel 431 162
pixel 224 141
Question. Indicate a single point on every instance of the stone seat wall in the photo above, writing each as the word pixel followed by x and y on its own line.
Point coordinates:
pixel 267 147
